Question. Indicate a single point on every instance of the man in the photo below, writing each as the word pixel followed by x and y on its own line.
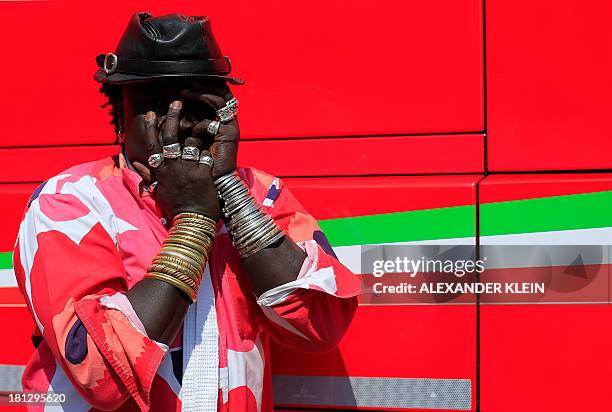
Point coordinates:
pixel 155 277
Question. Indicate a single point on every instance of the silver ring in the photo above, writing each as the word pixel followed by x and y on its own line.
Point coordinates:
pixel 205 159
pixel 172 151
pixel 156 160
pixel 213 128
pixel 225 114
pixel 232 105
pixel 191 153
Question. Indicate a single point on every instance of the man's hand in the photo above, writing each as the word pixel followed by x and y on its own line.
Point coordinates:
pixel 182 185
pixel 224 145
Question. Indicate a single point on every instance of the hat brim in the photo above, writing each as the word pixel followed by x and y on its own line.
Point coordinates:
pixel 124 78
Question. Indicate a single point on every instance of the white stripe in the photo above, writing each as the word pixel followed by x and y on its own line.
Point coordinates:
pixel 28 243
pixel 60 384
pixel 350 256
pixel 200 388
pixel 596 236
pixel 247 369
pixel 7 278
pixel 166 372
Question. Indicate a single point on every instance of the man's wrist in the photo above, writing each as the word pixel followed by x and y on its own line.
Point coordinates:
pixel 251 228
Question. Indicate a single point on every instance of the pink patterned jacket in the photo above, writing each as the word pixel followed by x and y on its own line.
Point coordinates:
pixel 88 235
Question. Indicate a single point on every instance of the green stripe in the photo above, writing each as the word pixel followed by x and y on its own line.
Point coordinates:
pixel 6 260
pixel 582 211
pixel 429 224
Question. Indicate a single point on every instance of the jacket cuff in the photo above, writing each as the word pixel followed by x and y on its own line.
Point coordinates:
pixel 120 302
pixel 311 276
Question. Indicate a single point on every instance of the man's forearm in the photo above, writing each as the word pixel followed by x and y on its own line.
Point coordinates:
pixel 172 281
pixel 275 265
pixel 161 308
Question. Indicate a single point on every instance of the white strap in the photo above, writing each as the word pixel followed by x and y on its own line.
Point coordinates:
pixel 200 387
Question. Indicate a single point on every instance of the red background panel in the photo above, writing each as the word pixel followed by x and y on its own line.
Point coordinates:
pixel 13 199
pixel 503 188
pixel 357 196
pixel 17 325
pixel 297 157
pixel 545 358
pixel 421 341
pixel 549 84
pixel 328 69
pixel 37 164
pixel 15 336
pixel 366 156
pixel 434 341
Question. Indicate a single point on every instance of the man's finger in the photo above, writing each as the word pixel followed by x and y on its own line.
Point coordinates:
pixel 186 125
pixel 160 123
pixel 193 141
pixel 200 130
pixel 151 140
pixel 171 125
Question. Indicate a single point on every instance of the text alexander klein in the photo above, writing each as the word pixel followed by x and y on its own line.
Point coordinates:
pixel 462 288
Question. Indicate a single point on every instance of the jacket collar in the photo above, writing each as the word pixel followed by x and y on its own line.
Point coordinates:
pixel 131 177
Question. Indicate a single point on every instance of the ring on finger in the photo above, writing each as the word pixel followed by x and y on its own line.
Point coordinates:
pixel 191 153
pixel 225 114
pixel 156 160
pixel 206 159
pixel 232 104
pixel 172 151
pixel 213 128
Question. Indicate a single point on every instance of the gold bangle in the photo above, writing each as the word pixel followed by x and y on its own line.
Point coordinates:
pixel 200 264
pixel 181 259
pixel 189 292
pixel 173 268
pixel 198 257
pixel 194 221
pixel 201 240
pixel 191 270
pixel 193 216
pixel 178 275
pixel 186 242
pixel 206 221
pixel 201 236
pixel 187 280
pixel 190 243
pixel 208 231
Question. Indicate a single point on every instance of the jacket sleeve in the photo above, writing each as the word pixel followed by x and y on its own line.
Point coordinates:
pixel 68 268
pixel 313 312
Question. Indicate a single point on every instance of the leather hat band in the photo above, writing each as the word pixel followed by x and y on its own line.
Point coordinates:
pixel 112 64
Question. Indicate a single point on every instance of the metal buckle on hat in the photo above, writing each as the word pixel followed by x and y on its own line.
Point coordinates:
pixel 110 63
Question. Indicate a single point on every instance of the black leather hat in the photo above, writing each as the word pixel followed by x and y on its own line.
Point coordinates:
pixel 172 46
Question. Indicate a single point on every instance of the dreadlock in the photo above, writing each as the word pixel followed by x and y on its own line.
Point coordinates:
pixel 114 99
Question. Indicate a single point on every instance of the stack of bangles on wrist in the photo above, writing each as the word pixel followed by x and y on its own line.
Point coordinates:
pixel 184 254
pixel 251 229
